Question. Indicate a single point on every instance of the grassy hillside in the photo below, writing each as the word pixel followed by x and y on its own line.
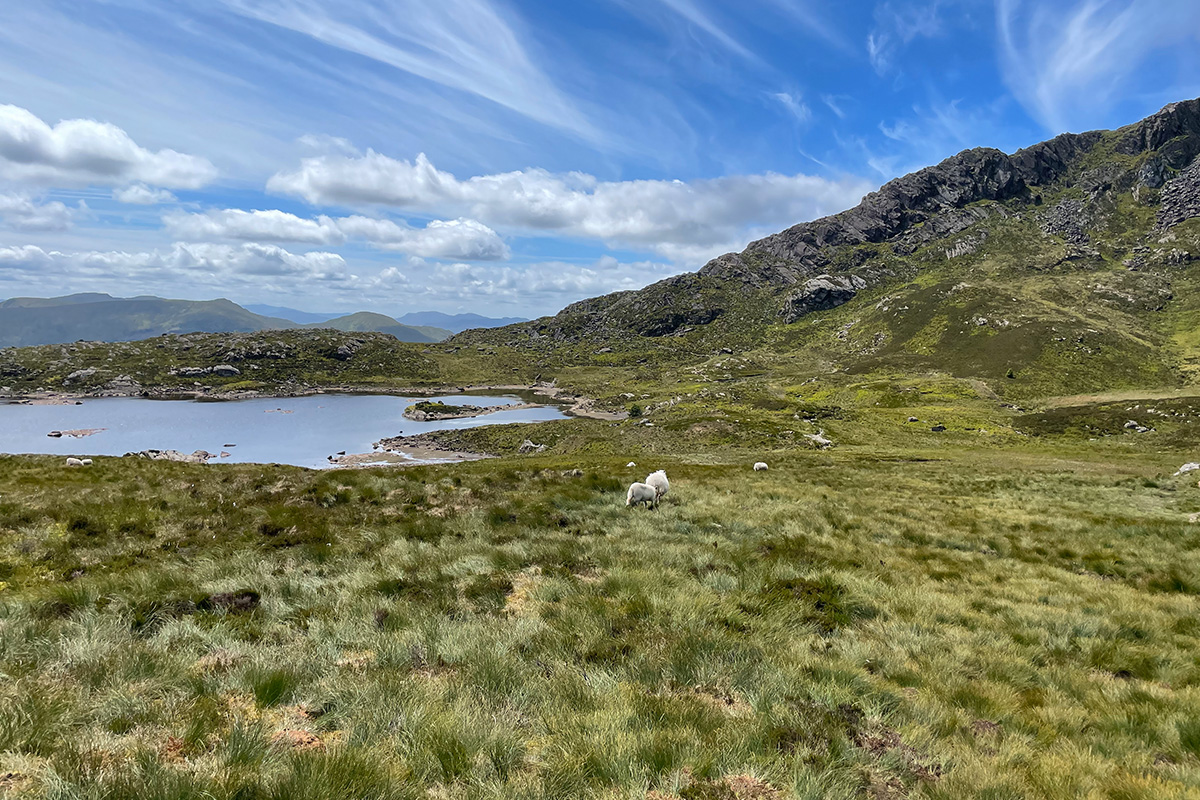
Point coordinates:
pixel 992 625
pixel 370 321
pixel 35 321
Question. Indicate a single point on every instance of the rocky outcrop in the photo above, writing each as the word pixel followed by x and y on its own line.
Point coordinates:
pixel 198 457
pixel 819 294
pixel 771 276
pixel 1181 197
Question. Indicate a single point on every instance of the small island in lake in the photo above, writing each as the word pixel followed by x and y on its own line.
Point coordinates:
pixel 434 410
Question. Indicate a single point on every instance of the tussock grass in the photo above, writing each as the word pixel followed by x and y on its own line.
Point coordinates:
pixel 981 624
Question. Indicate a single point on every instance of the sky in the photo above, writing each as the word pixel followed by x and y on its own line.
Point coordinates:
pixel 509 157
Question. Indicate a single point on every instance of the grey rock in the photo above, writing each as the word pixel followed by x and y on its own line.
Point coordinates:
pixel 819 294
pixel 80 375
pixel 1181 197
pixel 225 371
pixel 528 446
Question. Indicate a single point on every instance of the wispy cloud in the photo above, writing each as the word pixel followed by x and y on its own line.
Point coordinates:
pixel 466 45
pixel 691 12
pixel 898 24
pixel 794 105
pixel 1067 62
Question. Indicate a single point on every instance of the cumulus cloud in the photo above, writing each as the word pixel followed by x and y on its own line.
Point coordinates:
pixel 139 194
pixel 269 270
pixel 463 239
pixel 532 289
pixel 87 152
pixel 1067 61
pixel 653 214
pixel 217 264
pixel 21 213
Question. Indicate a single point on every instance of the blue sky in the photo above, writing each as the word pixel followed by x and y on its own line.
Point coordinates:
pixel 508 157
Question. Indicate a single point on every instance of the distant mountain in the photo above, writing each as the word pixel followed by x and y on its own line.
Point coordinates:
pixel 293 314
pixel 456 323
pixel 26 321
pixel 68 300
pixel 370 321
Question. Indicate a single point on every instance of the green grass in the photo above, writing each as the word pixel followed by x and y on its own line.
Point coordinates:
pixel 964 623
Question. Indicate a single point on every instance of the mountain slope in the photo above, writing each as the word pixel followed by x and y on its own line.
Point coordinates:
pixel 370 321
pixel 457 323
pixel 1067 266
pixel 291 314
pixel 34 321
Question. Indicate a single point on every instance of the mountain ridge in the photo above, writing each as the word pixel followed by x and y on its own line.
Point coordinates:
pixel 31 321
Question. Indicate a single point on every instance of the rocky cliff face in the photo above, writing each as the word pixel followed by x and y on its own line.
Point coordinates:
pixel 1069 186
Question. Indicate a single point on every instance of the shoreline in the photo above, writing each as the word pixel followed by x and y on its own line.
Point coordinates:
pixel 577 405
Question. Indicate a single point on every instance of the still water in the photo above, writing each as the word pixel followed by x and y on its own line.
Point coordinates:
pixel 301 430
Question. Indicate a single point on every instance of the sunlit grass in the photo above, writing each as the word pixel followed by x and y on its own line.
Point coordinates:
pixel 982 625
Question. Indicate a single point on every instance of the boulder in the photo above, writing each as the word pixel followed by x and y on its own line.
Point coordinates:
pixel 819 294
pixel 528 446
pixel 225 371
pixel 80 375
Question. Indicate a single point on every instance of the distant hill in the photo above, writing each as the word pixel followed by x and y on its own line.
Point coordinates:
pixel 26 321
pixel 68 300
pixel 29 321
pixel 370 321
pixel 456 323
pixel 293 314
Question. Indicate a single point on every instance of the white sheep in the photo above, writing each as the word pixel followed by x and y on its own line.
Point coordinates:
pixel 74 462
pixel 631 464
pixel 87 462
pixel 659 481
pixel 640 493
pixel 760 466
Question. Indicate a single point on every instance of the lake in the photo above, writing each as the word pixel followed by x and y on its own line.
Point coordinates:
pixel 302 431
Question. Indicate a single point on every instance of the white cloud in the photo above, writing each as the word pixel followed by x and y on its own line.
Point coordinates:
pixel 835 103
pixel 268 271
pixel 21 213
pixel 139 194
pixel 532 289
pixel 451 239
pixel 202 264
pixel 697 17
pixel 1067 62
pixel 794 105
pixel 650 214
pixel 463 44
pixel 83 151
pixel 897 25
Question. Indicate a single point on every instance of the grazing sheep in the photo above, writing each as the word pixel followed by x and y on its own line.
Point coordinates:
pixel 760 466
pixel 659 481
pixel 87 462
pixel 74 462
pixel 641 493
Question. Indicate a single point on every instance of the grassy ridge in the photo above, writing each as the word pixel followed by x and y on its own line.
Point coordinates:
pixel 962 624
